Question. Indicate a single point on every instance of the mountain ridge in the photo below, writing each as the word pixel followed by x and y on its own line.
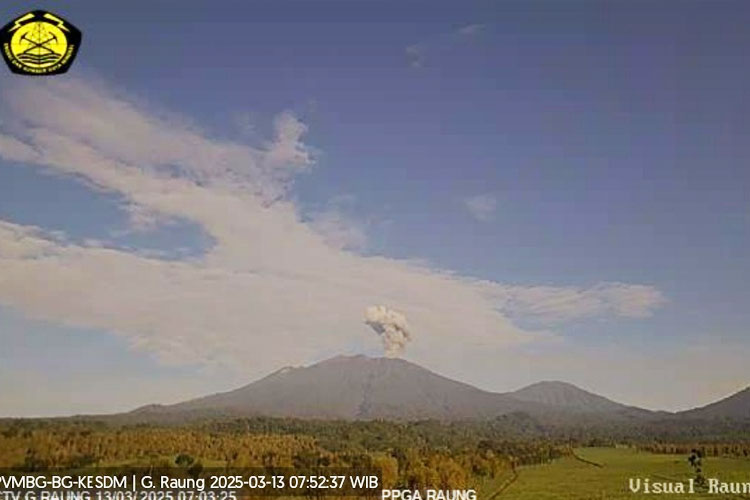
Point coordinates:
pixel 358 387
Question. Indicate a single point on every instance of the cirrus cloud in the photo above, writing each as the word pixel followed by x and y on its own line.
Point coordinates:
pixel 274 281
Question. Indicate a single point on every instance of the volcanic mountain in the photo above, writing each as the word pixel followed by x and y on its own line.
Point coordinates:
pixel 359 387
pixel 568 396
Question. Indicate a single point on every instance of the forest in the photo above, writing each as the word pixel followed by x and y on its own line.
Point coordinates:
pixel 409 455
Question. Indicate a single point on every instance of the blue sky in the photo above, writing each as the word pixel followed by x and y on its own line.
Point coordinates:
pixel 596 149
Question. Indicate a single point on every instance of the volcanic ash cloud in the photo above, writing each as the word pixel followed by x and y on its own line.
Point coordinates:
pixel 392 327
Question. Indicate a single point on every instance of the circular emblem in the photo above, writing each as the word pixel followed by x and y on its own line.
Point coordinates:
pixel 39 43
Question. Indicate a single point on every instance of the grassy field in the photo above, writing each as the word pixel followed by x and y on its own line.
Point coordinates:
pixel 571 478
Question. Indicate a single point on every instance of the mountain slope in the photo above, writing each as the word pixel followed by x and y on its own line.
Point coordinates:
pixel 736 406
pixel 566 396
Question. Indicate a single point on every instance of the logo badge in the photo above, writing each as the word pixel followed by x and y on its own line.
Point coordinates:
pixel 39 43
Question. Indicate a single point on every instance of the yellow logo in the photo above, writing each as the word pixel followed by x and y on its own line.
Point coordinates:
pixel 39 43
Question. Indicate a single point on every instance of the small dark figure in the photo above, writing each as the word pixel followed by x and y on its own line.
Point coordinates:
pixel 696 462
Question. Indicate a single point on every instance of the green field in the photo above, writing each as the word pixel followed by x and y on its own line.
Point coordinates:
pixel 571 478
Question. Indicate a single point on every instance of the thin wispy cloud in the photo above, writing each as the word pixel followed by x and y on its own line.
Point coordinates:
pixel 275 281
pixel 416 53
pixel 482 206
pixel 339 228
pixel 471 29
pixel 552 304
